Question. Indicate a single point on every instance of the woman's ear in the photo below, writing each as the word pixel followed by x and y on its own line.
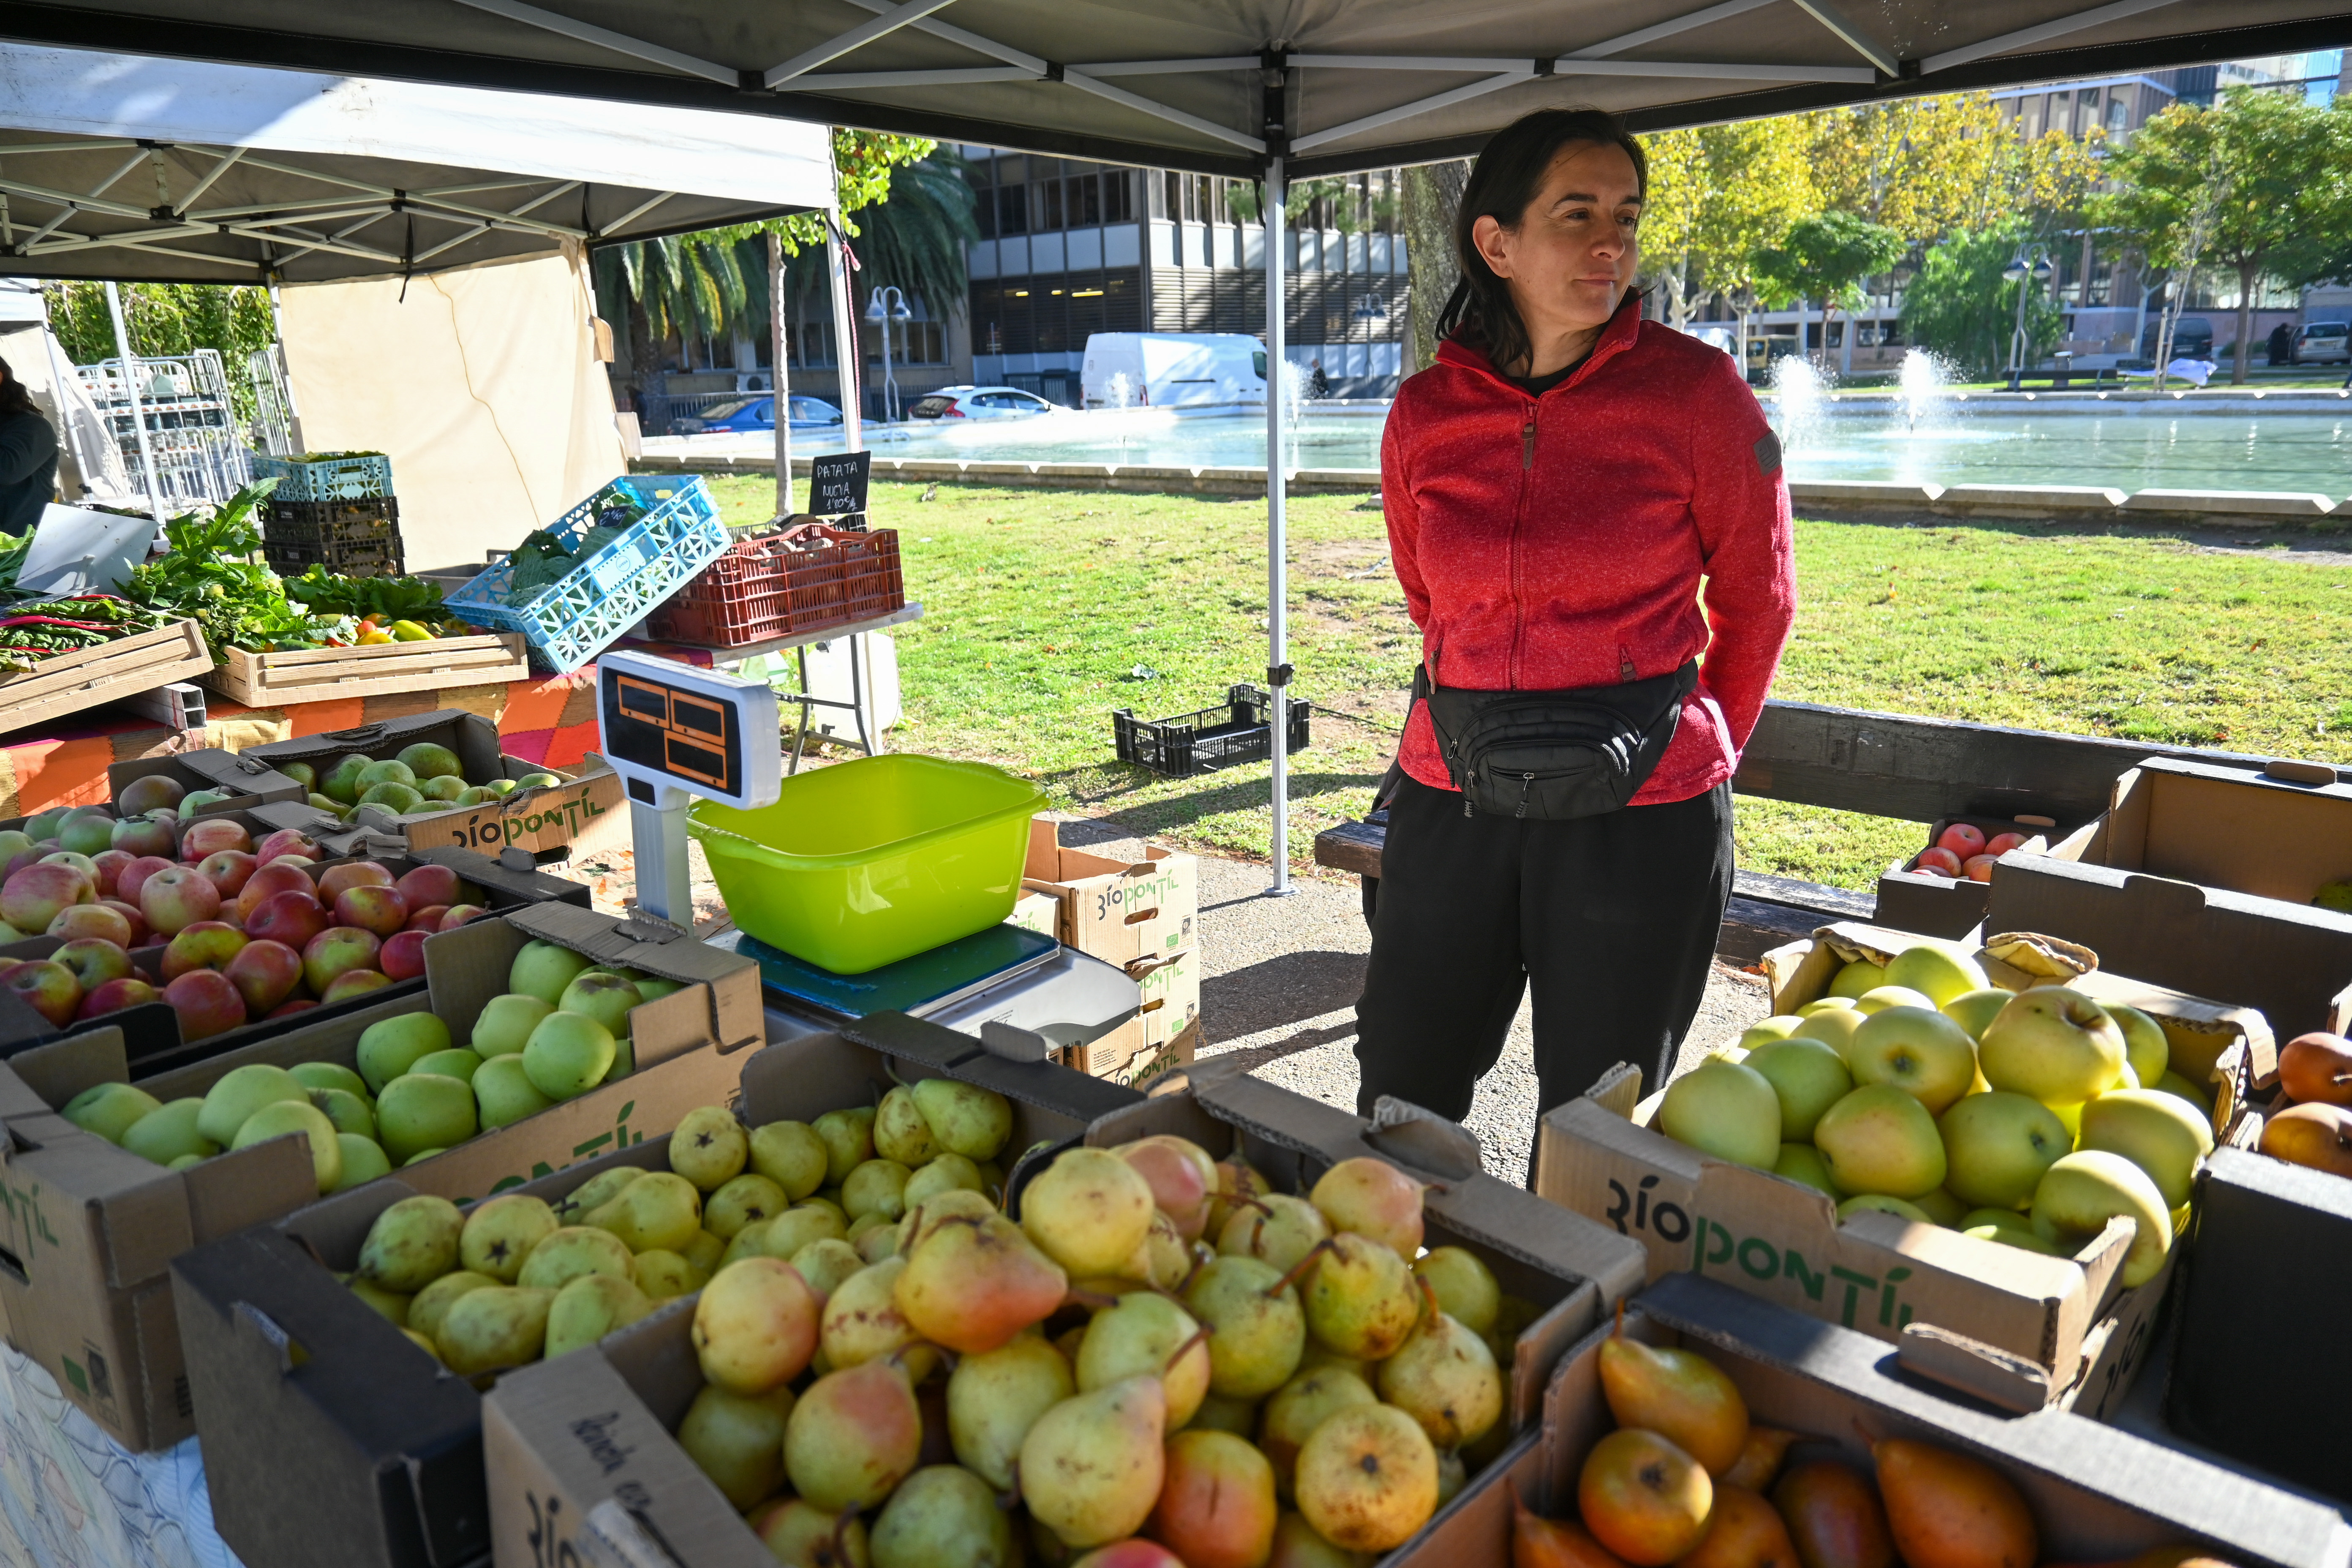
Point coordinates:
pixel 1492 243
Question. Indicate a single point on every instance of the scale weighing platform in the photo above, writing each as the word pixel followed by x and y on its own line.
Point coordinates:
pixel 673 731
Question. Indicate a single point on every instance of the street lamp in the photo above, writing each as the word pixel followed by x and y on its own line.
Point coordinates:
pixel 2023 265
pixel 895 310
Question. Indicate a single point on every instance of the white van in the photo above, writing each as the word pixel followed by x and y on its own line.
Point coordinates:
pixel 1168 370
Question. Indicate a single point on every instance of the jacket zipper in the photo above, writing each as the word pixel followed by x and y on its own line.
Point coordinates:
pixel 1518 521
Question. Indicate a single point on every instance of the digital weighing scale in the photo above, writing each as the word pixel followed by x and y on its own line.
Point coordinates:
pixel 673 732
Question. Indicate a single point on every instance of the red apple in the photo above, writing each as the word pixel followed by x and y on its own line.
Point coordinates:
pixel 94 960
pixel 81 863
pixel 292 918
pixel 427 917
pixel 178 898
pixel 229 870
pixel 403 957
pixel 207 1002
pixel 265 975
pixel 25 858
pixel 32 898
pixel 351 874
pixel 289 841
pixel 108 864
pixel 336 952
pixel 1962 839
pixel 1979 867
pixel 353 982
pixel 1938 863
pixel 276 876
pixel 133 877
pixel 2000 843
pixel 288 1009
pixel 208 836
pixel 430 884
pixel 372 909
pixel 145 836
pixel 8 963
pixel 113 995
pixel 460 913
pixel 129 913
pixel 49 986
pixel 207 944
pixel 101 920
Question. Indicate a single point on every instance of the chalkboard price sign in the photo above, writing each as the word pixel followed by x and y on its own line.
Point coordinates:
pixel 838 483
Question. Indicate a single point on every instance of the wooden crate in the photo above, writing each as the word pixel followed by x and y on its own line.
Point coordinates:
pixel 316 674
pixel 108 673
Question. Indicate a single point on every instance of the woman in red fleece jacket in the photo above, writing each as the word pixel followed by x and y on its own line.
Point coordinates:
pixel 1558 487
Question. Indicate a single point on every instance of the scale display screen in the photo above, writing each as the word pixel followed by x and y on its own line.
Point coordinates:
pixel 699 730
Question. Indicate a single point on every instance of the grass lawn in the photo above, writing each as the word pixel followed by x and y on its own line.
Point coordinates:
pixel 1044 610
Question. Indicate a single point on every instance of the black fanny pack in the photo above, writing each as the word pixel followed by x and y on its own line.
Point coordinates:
pixel 1554 755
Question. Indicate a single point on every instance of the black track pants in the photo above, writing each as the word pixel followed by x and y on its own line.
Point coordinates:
pixel 1613 918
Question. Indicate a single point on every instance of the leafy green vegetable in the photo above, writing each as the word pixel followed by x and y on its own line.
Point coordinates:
pixel 211 577
pixel 386 598
pixel 34 630
pixel 11 556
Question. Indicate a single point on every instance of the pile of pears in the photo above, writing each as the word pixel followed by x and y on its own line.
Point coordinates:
pixel 2028 1117
pixel 1095 1383
pixel 1686 1478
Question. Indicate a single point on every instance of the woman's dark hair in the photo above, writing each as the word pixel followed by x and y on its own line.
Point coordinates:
pixel 1508 175
pixel 13 398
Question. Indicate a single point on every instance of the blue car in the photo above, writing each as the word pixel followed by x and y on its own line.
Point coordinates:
pixel 756 411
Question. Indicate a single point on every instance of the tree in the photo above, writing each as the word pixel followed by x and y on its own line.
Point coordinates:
pixel 1715 206
pixel 2265 170
pixel 1959 305
pixel 1432 196
pixel 165 319
pixel 1927 167
pixel 1827 258
pixel 1678 187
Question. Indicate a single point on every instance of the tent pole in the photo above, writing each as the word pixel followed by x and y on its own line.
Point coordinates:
pixel 1278 667
pixel 778 334
pixel 852 363
pixel 148 477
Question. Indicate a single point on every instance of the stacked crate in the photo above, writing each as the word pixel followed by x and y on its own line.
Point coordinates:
pixel 336 512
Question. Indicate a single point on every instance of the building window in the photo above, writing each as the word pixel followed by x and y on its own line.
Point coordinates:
pixel 1012 209
pixel 983 211
pixel 1118 197
pixel 1049 205
pixel 2033 118
pixel 2087 111
pixel 2118 113
pixel 1083 205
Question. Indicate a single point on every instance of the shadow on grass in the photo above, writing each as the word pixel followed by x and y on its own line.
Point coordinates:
pixel 1143 819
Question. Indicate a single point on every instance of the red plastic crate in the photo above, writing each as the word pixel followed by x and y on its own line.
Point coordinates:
pixel 781 584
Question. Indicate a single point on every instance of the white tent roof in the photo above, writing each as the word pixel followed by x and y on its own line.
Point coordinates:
pixel 132 166
pixel 1214 85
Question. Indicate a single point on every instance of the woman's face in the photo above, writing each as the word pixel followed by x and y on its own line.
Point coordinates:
pixel 1574 250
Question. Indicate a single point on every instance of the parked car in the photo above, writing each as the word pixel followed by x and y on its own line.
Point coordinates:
pixel 2192 338
pixel 756 410
pixel 979 403
pixel 2323 342
pixel 1163 370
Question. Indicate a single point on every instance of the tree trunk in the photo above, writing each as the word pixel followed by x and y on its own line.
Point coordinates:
pixel 2248 271
pixel 1433 193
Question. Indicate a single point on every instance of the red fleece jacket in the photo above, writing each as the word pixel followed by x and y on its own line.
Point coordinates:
pixel 1558 542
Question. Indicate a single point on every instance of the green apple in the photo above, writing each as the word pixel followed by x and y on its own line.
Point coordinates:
pixel 1941 1206
pixel 1972 1010
pixel 1808 1075
pixel 653 987
pixel 1984 1216
pixel 542 970
pixel 421 1110
pixel 169 1131
pixel 1833 1026
pixel 504 1091
pixel 363 1161
pixel 2082 1191
pixel 1886 996
pixel 2012 1235
pixel 110 1109
pixel 1917 1051
pixel 457 1062
pixel 1825 1005
pixel 2173 1083
pixel 624 1061
pixel 1725 1109
pixel 282 1117
pixel 240 1092
pixel 330 1075
pixel 1939 972
pixel 394 1046
pixel 603 996
pixel 349 1112
pixel 1803 1163
pixel 2145 1046
pixel 2054 1043
pixel 2162 1133
pixel 1880 1139
pixel 1998 1146
pixel 506 1023
pixel 1780 1026
pixel 1882 1203
pixel 568 1054
pixel 1862 974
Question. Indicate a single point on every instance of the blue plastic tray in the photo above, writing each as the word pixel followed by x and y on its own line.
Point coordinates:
pixel 330 479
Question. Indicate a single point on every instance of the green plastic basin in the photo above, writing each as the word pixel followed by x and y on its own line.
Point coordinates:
pixel 866 863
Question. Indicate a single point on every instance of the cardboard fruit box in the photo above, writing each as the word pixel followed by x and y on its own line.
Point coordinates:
pixel 544 821
pixel 1165 1032
pixel 1912 900
pixel 2012 1327
pixel 248 780
pixel 90 1229
pixel 1114 910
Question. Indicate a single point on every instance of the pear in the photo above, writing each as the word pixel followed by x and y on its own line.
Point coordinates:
pixel 1373 1198
pixel 1366 1477
pixel 1444 1377
pixel 755 1326
pixel 493 1328
pixel 1759 1458
pixel 592 1307
pixel 957 1207
pixel 738 1442
pixel 1236 1182
pixel 1238 1416
pixel 1257 1329
pixel 900 1132
pixel 826 1264
pixel 796 1226
pixel 391 1306
pixel 966 1119
pixel 1296 1545
pixel 709 1147
pixel 420 1342
pixel 848 1139
pixel 876 1186
pixel 945 1174
pixel 790 1154
pixel 1092 1466
pixel 1148 1334
pixel 799 1534
pixel 662 1210
pixel 704 1252
pixel 430 1305
pixel 972 1284
pixel 563 1255
pixel 1276 1228
pixel 1359 1297
pixel 1677 1393
pixel 663 1275
pixel 995 1397
pixel 412 1244
pixel 1088 1211
pixel 1300 1406
pixel 861 1321
pixel 739 1201
pixel 943 1516
pixel 1467 1289
pixel 1949 1510
pixel 854 1437
pixel 500 1234
pixel 1216 1507
pixel 875 1238
pixel 1163 1261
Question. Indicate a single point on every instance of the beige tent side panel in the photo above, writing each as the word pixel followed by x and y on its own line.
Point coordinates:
pixel 482 385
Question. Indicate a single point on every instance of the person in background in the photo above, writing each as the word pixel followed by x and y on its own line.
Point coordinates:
pixel 29 457
pixel 2282 344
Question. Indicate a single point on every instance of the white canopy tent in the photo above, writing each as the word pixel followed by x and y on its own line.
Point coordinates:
pixel 1272 89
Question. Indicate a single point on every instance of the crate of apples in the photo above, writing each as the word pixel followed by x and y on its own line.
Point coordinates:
pixel 2311 1125
pixel 1963 849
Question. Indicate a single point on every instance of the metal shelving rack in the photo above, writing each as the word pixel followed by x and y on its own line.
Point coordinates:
pixel 192 427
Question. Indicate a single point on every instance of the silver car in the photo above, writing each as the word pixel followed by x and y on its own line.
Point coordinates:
pixel 2323 343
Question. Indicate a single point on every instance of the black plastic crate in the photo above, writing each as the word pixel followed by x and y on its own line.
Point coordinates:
pixel 1223 737
pixel 353 538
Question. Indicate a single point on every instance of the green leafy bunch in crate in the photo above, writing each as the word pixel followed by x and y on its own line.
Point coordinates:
pixel 212 577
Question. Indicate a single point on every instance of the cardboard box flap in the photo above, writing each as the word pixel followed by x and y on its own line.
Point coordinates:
pixel 1422 1140
pixel 1276 1115
pixel 59 1070
pixel 133 1211
pixel 916 1039
pixel 259 1183
pixel 658 948
pixel 2020 960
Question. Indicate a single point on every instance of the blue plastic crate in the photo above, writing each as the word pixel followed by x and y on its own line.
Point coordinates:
pixel 576 617
pixel 329 478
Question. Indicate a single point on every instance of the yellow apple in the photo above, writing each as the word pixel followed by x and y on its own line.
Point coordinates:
pixel 2054 1043
pixel 1915 1049
pixel 2082 1191
pixel 1880 1139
